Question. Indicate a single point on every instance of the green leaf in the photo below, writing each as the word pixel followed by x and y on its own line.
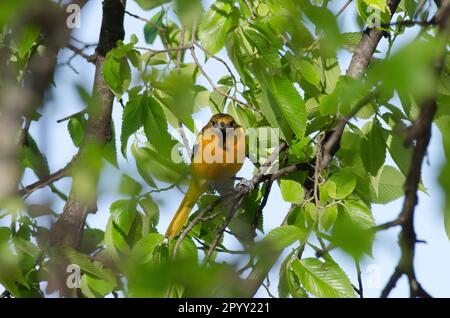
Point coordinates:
pixel 351 40
pixel 294 285
pixel 187 250
pixel 400 154
pixel 283 288
pixel 350 233
pixel 114 240
pixel 373 149
pixel 341 184
pixel 88 267
pixel 359 213
pixel 29 37
pixel 272 111
pixel 141 161
pixel 142 252
pixel 123 213
pixel 117 73
pixel 76 128
pixel 325 280
pixel 378 4
pixel 160 167
pixel 150 4
pixel 151 209
pixel 151 29
pixel 34 159
pixel 155 127
pixel 284 236
pixel 218 20
pixel 266 50
pixel 310 72
pixel 328 216
pixel 129 186
pixel 217 101
pixel 291 104
pixel 292 191
pixel 95 288
pixel 132 120
pixel 389 186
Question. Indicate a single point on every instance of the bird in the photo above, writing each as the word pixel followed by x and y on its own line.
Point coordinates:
pixel 218 154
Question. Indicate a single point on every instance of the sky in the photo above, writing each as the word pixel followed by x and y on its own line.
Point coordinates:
pixel 432 259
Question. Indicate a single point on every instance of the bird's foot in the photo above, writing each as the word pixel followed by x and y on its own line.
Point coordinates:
pixel 245 184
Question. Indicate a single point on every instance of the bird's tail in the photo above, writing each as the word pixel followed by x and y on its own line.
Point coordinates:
pixel 180 217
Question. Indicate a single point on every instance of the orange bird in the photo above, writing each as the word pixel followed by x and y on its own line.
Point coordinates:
pixel 218 154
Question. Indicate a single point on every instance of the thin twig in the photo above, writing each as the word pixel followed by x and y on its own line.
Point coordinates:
pixel 224 225
pixel 159 28
pixel 333 141
pixel 182 34
pixel 45 181
pixel 184 139
pixel 80 52
pixel 81 112
pixel 360 284
pixel 217 89
pixel 260 209
pixel 217 59
pixel 343 8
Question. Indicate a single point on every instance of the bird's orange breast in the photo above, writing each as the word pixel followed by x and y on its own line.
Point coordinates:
pixel 217 160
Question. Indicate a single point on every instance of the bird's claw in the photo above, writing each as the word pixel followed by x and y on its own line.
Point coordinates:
pixel 246 184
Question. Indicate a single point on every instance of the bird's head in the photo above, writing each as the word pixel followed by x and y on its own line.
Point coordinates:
pixel 222 122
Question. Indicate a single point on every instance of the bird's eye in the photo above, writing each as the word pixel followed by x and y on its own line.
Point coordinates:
pixel 214 123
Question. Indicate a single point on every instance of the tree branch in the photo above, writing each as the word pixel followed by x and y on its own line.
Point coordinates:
pixel 61 173
pixel 360 60
pixel 68 228
pixel 18 100
pixel 366 48
pixel 407 236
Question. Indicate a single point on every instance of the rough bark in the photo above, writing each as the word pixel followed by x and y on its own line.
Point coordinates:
pixel 68 228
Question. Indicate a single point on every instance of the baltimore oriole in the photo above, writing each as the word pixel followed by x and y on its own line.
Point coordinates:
pixel 217 156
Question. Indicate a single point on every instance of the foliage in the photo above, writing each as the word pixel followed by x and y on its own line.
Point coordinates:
pixel 286 74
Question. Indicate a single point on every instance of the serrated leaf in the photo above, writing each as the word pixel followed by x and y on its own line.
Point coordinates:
pixel 284 236
pixel 373 149
pixel 218 20
pixel 351 40
pixel 132 120
pixel 291 104
pixel 359 213
pixel 187 250
pixel 123 213
pixel 292 191
pixel 142 252
pixel 151 209
pixel 328 216
pixel 310 72
pixel 95 288
pixel 86 265
pixel 129 186
pixel 151 29
pixel 341 184
pixel 117 73
pixel 325 280
pixel 390 186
